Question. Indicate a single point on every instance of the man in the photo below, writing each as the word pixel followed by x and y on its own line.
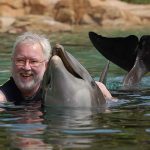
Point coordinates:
pixel 30 56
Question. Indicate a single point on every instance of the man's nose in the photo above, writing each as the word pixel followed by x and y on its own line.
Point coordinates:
pixel 27 65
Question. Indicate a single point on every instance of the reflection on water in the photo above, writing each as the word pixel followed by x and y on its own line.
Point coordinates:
pixel 125 125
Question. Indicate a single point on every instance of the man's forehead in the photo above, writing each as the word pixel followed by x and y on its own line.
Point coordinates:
pixel 29 49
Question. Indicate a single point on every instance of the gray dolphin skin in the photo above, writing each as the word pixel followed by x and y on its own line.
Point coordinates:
pixel 103 75
pixel 67 83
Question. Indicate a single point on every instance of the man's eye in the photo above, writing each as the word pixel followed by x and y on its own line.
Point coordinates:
pixel 33 62
pixel 20 61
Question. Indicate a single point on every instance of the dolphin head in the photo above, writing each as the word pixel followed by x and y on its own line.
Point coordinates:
pixel 67 83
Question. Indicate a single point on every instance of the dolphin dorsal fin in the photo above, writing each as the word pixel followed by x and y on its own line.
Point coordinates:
pixel 103 75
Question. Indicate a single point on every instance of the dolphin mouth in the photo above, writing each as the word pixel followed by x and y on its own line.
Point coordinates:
pixel 59 51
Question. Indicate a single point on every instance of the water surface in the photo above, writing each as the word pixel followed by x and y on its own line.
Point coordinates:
pixel 124 126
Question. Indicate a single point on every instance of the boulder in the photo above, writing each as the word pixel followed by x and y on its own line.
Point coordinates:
pixel 13 3
pixel 38 23
pixel 6 10
pixel 5 23
pixel 60 15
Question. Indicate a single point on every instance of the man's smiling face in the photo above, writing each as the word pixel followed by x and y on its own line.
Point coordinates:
pixel 28 66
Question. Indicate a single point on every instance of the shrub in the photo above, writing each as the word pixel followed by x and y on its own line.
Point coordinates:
pixel 138 1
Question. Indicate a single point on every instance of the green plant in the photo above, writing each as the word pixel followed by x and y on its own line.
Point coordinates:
pixel 138 1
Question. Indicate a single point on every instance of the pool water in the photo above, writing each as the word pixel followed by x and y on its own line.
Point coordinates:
pixel 125 125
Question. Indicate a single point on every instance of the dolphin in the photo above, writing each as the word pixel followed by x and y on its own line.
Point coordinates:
pixel 129 53
pixel 67 83
pixel 142 63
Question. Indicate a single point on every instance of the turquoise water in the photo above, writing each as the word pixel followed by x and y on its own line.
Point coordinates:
pixel 124 126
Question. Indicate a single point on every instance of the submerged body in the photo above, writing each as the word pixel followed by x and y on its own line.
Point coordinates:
pixel 67 83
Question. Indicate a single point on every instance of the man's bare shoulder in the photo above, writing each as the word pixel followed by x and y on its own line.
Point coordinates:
pixel 2 97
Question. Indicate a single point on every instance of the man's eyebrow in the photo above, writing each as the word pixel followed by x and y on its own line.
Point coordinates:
pixel 23 57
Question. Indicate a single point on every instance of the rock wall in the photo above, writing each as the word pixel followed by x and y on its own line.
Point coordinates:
pixel 59 15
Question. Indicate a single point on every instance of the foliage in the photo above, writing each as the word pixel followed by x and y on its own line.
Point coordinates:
pixel 138 1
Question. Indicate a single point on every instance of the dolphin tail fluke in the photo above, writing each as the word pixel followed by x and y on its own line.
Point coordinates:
pixel 103 75
pixel 118 50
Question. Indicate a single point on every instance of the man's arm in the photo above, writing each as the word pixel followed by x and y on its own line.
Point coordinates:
pixel 2 97
pixel 104 90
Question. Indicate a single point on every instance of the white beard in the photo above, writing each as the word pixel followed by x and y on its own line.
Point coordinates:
pixel 29 85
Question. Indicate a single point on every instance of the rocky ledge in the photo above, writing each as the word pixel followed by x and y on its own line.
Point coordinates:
pixel 59 15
